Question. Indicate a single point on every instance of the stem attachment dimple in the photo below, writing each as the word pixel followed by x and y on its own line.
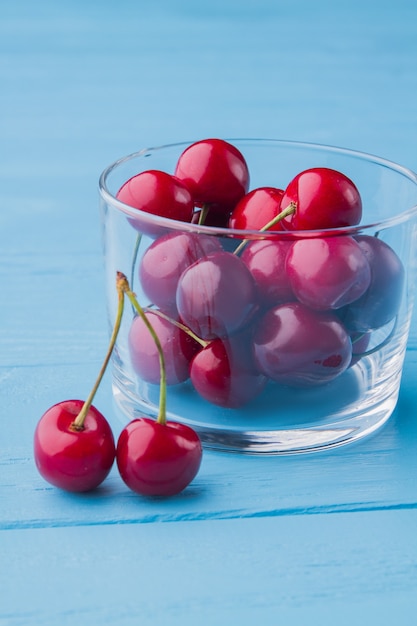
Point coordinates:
pixel 78 423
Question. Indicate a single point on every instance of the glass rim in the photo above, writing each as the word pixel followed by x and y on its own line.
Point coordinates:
pixel 175 225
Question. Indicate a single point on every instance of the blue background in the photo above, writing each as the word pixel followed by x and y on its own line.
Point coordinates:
pixel 324 538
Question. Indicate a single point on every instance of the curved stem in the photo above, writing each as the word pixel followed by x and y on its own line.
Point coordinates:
pixel 162 418
pixel 289 210
pixel 78 423
pixel 179 325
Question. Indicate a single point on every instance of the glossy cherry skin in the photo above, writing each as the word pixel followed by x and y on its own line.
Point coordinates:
pixel 295 345
pixel 215 172
pixel 178 348
pixel 165 260
pixel 324 198
pixel 158 459
pixel 158 193
pixel 256 209
pixel 216 295
pixel 381 301
pixel 327 272
pixel 224 372
pixel 265 260
pixel 73 460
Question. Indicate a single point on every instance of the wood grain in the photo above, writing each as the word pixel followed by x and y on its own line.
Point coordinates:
pixel 316 539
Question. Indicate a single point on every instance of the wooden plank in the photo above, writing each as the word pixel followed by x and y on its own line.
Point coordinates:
pixel 319 539
pixel 379 473
pixel 353 568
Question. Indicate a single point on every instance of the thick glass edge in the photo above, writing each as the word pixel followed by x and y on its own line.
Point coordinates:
pixel 171 224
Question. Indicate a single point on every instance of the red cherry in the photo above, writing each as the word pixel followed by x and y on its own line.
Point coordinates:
pixel 327 272
pixel 73 443
pixel 74 460
pixel 157 459
pixel 324 198
pixel 178 347
pixel 265 260
pixel 215 172
pixel 158 193
pixel 165 260
pixel 295 345
pixel 216 295
pixel 224 372
pixel 256 209
pixel 381 301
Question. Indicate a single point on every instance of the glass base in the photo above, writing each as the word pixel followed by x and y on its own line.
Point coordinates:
pixel 285 421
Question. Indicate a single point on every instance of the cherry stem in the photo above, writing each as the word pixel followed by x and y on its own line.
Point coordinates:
pixel 203 214
pixel 162 416
pixel 78 423
pixel 135 258
pixel 183 327
pixel 289 210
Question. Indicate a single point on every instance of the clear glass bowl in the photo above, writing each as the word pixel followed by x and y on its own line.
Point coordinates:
pixel 281 418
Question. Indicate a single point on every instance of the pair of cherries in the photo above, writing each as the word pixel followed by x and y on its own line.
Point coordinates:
pixel 296 308
pixel 74 447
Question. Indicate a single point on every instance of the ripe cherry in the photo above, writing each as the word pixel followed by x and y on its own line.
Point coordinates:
pixel 265 260
pixel 158 193
pixel 165 260
pixel 257 208
pixel 224 372
pixel 178 346
pixel 157 457
pixel 325 198
pixel 73 459
pixel 295 345
pixel 216 295
pixel 381 301
pixel 73 443
pixel 215 172
pixel 327 272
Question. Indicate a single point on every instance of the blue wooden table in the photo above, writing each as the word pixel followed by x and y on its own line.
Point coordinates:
pixel 328 538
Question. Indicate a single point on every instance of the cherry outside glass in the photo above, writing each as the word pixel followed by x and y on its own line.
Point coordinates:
pixel 264 384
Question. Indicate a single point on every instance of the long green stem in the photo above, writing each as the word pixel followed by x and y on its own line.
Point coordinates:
pixel 162 418
pixel 78 423
pixel 289 210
